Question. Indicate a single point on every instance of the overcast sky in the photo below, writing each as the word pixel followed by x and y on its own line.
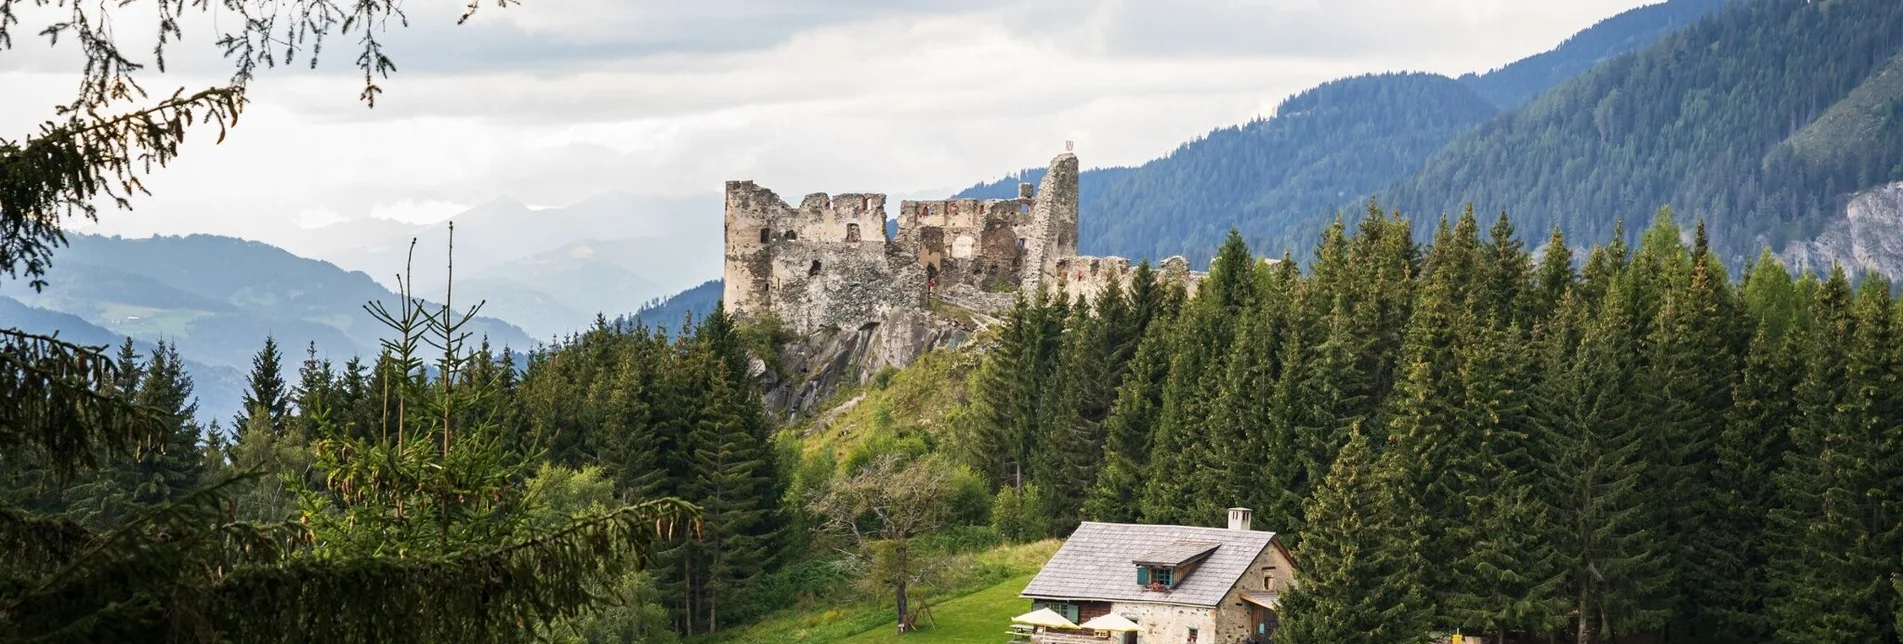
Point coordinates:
pixel 553 101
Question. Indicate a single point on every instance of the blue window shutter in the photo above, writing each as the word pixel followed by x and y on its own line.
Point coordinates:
pixel 1143 576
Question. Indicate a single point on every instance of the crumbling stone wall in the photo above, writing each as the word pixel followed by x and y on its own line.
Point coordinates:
pixel 1086 278
pixel 828 263
pixel 825 263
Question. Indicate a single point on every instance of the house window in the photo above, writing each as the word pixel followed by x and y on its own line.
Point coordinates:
pixel 1069 611
pixel 792 236
pixel 766 235
pixel 852 232
pixel 1192 635
pixel 1165 576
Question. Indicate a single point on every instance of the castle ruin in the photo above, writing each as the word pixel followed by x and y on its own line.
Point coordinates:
pixel 829 263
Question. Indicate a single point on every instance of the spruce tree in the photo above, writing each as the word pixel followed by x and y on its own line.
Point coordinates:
pixel 1751 450
pixel 1439 454
pixel 1591 472
pixel 1552 280
pixel 1685 391
pixel 1128 433
pixel 265 390
pixel 1364 574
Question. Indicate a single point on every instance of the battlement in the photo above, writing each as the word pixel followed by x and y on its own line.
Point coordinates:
pixel 828 261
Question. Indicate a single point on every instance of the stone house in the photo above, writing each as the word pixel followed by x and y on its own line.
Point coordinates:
pixel 1179 584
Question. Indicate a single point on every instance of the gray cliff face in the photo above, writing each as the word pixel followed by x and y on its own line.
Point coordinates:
pixel 818 365
pixel 1868 238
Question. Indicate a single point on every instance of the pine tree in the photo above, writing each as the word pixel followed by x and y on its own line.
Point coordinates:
pixel 315 395
pixel 1071 414
pixel 1848 400
pixel 265 390
pixel 1318 396
pixel 1002 436
pixel 1129 433
pixel 1591 472
pixel 1363 570
pixel 1504 272
pixel 1553 280
pixel 1440 456
pixel 1179 491
pixel 1753 447
pixel 1686 390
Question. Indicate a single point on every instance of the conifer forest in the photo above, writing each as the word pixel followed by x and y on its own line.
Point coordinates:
pixel 1550 424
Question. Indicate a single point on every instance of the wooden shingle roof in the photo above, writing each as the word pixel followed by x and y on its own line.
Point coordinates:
pixel 1097 563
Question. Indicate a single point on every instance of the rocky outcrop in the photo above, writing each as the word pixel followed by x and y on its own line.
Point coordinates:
pixel 1868 238
pixel 817 366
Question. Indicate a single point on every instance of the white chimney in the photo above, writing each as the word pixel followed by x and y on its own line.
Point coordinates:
pixel 1239 518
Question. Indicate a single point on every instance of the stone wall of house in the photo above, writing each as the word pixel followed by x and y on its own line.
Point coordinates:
pixel 1272 571
pixel 1170 622
pixel 1228 622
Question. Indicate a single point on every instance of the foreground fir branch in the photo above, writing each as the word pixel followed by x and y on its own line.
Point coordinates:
pixel 59 405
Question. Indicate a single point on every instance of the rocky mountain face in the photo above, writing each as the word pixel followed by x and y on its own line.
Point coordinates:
pixel 811 370
pixel 1869 237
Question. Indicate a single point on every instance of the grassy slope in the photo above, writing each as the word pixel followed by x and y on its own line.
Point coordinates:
pixel 915 401
pixel 1860 115
pixel 975 603
pixel 978 617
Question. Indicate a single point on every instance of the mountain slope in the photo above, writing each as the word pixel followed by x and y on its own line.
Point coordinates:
pixel 1513 85
pixel 1281 179
pixel 1712 120
pixel 218 297
pixel 219 389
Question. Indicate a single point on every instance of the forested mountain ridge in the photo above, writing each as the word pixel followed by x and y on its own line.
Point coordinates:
pixel 1764 120
pixel 1513 85
pixel 1279 181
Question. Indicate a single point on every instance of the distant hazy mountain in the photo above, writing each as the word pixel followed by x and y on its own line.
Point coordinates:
pixel 552 270
pixel 1280 179
pixel 1513 85
pixel 216 298
pixel 220 389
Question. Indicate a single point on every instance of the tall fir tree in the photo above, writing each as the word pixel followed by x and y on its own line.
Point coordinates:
pixel 266 392
pixel 1364 576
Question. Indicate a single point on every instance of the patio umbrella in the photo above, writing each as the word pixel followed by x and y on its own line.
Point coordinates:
pixel 1044 617
pixel 1112 622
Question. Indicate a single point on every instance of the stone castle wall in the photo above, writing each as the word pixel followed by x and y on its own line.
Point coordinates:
pixel 828 263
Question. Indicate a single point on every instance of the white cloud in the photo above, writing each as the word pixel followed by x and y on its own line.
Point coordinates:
pixel 553 101
pixel 417 212
pixel 315 218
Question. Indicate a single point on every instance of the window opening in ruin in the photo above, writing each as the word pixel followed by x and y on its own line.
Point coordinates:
pixel 852 232
pixel 792 236
pixel 931 271
pixel 766 235
pixel 1020 243
pixel 814 270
